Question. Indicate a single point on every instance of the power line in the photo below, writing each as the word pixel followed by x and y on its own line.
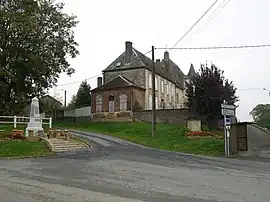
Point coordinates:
pixel 195 23
pixel 79 81
pixel 214 14
pixel 219 47
pixel 66 84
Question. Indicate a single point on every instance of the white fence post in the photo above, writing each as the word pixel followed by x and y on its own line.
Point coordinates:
pixel 15 122
pixel 50 124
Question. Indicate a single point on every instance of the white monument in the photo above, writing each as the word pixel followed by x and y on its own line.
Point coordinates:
pixel 35 123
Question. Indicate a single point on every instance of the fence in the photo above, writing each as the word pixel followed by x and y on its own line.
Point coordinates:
pixel 22 120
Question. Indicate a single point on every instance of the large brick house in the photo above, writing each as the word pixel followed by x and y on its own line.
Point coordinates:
pixel 127 85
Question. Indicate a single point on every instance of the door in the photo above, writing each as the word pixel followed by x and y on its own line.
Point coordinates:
pixel 111 103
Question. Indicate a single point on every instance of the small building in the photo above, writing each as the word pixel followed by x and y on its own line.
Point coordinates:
pixel 116 99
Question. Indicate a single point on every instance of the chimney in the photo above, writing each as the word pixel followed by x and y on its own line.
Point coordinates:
pixel 99 81
pixel 166 55
pixel 128 51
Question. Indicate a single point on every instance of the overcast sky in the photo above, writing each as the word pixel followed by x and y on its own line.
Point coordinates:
pixel 105 25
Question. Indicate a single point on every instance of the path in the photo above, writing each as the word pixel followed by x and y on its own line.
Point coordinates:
pixel 119 171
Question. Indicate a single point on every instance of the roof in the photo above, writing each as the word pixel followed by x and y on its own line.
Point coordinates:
pixel 165 68
pixel 117 82
pixel 191 72
pixel 172 72
pixel 137 60
pixel 52 98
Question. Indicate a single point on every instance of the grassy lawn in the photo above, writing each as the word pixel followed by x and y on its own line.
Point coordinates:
pixel 9 127
pixel 23 149
pixel 168 137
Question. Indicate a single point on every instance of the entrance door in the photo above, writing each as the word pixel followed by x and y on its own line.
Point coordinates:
pixel 111 103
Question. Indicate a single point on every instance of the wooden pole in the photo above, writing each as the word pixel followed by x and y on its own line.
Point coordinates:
pixel 153 93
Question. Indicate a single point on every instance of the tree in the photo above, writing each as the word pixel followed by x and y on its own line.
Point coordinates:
pixel 83 96
pixel 206 92
pixel 36 40
pixel 71 104
pixel 261 114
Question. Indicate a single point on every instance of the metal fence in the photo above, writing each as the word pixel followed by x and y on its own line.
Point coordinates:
pixel 22 120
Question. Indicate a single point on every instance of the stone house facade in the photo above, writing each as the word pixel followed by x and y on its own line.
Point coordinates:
pixel 133 70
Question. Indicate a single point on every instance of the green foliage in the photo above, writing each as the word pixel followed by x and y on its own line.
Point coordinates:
pixel 36 40
pixel 83 96
pixel 23 149
pixel 261 114
pixel 207 90
pixel 168 137
pixel 71 104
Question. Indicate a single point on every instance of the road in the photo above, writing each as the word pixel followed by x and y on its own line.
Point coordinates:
pixel 118 171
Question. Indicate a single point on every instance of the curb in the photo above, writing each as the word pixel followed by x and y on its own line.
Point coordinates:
pixel 82 141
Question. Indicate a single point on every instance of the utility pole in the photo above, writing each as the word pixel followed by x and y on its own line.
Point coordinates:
pixel 153 93
pixel 65 98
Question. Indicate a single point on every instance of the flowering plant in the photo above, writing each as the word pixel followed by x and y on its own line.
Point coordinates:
pixel 200 133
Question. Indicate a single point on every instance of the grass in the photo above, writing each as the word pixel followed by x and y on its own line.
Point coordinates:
pixel 168 137
pixel 23 149
pixel 9 127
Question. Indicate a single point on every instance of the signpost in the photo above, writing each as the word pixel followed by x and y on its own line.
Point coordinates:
pixel 227 111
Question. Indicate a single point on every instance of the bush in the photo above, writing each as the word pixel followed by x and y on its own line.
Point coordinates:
pixel 200 133
pixel 205 128
pixel 4 135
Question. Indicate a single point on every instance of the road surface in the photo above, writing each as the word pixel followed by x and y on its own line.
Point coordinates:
pixel 117 171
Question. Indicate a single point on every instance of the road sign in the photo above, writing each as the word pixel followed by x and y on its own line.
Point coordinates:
pixel 227 110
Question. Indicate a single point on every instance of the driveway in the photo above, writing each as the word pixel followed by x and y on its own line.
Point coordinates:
pixel 117 171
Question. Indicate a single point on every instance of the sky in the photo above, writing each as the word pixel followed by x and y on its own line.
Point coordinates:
pixel 105 25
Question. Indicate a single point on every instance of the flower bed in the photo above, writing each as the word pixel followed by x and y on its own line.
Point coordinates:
pixel 202 134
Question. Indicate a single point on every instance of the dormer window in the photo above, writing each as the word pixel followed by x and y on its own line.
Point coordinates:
pixel 118 64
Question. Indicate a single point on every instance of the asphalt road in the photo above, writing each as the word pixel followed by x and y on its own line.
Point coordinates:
pixel 117 171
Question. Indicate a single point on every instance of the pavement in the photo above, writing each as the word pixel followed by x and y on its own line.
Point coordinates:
pixel 116 170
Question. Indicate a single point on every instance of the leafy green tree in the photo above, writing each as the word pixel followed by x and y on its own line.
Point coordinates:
pixel 206 92
pixel 72 102
pixel 36 40
pixel 83 96
pixel 261 114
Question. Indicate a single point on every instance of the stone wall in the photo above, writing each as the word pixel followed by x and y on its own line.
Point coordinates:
pixel 112 117
pixel 171 116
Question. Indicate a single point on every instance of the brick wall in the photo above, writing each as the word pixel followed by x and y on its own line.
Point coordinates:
pixel 172 116
pixel 134 95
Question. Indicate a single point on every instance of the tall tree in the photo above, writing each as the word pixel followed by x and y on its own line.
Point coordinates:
pixel 36 40
pixel 206 92
pixel 261 114
pixel 72 102
pixel 83 96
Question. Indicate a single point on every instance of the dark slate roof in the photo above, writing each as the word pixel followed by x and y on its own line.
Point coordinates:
pixel 191 72
pixel 172 72
pixel 166 68
pixel 117 82
pixel 137 60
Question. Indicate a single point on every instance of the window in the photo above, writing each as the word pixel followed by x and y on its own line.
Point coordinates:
pixel 123 102
pixel 157 103
pixel 156 83
pixel 167 88
pixel 99 104
pixel 150 80
pixel 162 86
pixel 177 98
pixel 172 90
pixel 150 102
